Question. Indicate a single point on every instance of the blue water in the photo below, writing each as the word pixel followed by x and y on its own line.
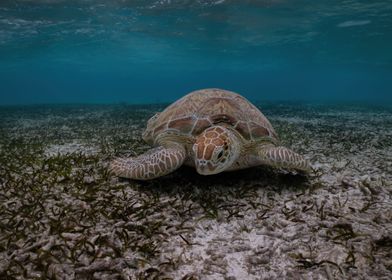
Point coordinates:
pixel 91 51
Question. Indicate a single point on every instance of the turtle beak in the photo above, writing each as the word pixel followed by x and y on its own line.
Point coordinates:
pixel 201 166
pixel 204 167
pixel 202 170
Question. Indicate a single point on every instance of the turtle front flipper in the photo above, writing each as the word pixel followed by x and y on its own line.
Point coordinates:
pixel 154 163
pixel 283 157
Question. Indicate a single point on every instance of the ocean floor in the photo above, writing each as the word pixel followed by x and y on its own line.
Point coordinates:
pixel 63 216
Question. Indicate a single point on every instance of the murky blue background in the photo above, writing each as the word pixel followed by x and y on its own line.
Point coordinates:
pixel 57 51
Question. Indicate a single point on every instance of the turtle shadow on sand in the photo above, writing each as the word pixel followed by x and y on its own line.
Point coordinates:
pixel 186 182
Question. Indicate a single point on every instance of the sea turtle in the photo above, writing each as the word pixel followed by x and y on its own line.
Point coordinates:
pixel 213 130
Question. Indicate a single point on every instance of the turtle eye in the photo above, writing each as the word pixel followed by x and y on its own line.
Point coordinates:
pixel 220 154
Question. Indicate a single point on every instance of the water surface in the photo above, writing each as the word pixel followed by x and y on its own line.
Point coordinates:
pixel 95 51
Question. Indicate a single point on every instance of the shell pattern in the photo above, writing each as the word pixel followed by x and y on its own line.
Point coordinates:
pixel 193 113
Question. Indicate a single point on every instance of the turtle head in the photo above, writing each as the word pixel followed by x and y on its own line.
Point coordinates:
pixel 215 150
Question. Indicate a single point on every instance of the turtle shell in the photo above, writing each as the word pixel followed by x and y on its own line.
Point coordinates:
pixel 198 110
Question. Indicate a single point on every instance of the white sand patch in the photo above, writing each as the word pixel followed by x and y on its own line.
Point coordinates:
pixel 69 148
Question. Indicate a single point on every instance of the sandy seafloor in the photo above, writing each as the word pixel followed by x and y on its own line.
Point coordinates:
pixel 62 216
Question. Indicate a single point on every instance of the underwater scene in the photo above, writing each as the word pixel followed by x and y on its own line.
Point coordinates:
pixel 206 139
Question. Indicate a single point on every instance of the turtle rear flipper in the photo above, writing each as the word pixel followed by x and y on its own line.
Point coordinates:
pixel 154 163
pixel 283 157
